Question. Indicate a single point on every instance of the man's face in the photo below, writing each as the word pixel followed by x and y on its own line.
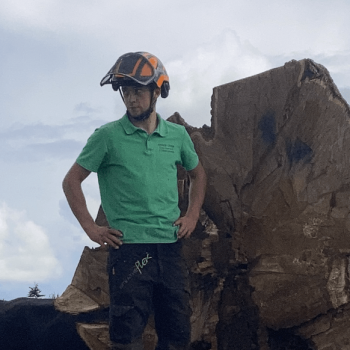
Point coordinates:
pixel 137 99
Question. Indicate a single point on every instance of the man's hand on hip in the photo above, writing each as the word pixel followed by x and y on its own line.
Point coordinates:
pixel 186 224
pixel 106 236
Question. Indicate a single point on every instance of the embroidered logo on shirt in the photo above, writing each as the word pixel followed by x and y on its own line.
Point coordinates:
pixel 166 148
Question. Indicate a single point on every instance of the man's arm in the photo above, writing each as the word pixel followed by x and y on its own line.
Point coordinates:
pixel 76 199
pixel 198 182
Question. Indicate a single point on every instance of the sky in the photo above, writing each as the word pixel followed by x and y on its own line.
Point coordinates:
pixel 54 54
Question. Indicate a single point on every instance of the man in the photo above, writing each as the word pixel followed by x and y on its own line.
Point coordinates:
pixel 135 158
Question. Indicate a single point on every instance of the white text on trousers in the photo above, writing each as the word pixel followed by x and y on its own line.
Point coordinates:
pixel 140 265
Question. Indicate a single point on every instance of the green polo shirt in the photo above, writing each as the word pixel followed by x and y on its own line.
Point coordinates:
pixel 137 176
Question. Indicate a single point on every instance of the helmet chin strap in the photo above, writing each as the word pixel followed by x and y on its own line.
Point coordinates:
pixel 145 115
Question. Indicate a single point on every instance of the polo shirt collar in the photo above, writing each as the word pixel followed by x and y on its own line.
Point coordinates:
pixel 130 128
pixel 162 128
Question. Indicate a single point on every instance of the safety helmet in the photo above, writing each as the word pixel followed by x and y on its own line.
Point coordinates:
pixel 138 68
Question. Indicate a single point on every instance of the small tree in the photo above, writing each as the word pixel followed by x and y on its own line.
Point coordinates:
pixel 54 296
pixel 35 292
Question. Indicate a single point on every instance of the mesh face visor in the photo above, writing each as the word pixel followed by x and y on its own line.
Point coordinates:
pixel 133 66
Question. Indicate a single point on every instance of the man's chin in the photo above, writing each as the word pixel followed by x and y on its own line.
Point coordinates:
pixel 134 113
pixel 134 117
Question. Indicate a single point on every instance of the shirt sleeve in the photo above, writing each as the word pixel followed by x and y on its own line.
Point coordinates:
pixel 189 156
pixel 95 151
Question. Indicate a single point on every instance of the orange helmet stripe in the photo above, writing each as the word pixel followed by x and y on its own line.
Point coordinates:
pixel 160 81
pixel 133 73
pixel 154 62
pixel 146 71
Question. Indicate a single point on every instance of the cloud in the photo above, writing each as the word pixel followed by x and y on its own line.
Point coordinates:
pixel 345 92
pixel 267 23
pixel 338 64
pixel 25 251
pixel 227 58
pixel 192 77
pixel 213 43
pixel 92 201
pixel 39 141
pixel 71 17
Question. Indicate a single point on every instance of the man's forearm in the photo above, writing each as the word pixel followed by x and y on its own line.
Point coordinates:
pixel 187 223
pixel 77 203
pixel 196 192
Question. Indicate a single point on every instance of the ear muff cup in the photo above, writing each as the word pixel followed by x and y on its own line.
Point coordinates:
pixel 164 90
pixel 115 85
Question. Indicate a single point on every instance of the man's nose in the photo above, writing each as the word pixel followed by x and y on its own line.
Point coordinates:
pixel 132 97
pixel 129 97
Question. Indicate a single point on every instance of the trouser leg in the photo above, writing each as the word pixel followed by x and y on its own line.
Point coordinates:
pixel 171 300
pixel 134 345
pixel 172 321
pixel 130 294
pixel 172 347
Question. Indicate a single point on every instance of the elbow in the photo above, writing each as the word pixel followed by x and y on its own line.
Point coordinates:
pixel 65 184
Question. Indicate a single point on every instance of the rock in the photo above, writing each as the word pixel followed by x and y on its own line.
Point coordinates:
pixel 96 336
pixel 34 324
pixel 330 331
pixel 89 288
pixel 278 170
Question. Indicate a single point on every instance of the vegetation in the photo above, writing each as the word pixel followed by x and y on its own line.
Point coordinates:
pixel 35 292
pixel 54 296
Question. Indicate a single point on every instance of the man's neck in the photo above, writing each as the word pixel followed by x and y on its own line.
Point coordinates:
pixel 149 125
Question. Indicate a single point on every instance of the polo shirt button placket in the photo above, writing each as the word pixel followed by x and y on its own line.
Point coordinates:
pixel 149 147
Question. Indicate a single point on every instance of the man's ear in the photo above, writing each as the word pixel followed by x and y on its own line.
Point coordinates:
pixel 156 92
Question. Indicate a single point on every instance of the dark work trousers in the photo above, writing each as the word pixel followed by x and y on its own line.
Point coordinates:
pixel 146 278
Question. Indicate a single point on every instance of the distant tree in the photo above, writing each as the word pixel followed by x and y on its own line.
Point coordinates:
pixel 54 296
pixel 35 292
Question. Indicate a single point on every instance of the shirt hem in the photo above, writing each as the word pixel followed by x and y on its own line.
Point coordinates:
pixel 152 242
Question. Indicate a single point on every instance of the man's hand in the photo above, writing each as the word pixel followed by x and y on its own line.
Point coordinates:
pixel 187 225
pixel 188 222
pixel 105 236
